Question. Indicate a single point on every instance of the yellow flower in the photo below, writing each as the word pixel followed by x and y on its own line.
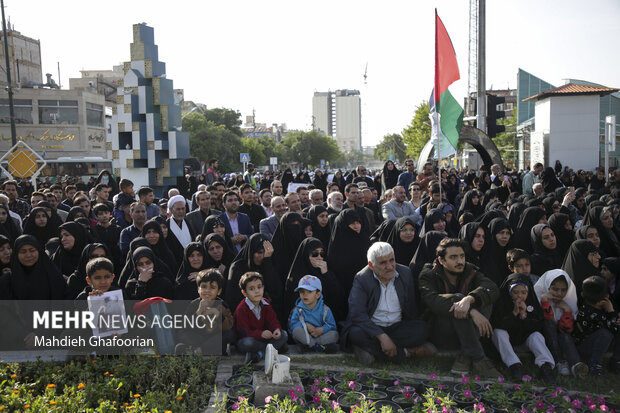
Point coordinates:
pixel 168 411
pixel 53 403
pixel 1 408
pixel 136 395
pixel 27 406
pixel 121 365
pixel 81 386
pixel 51 386
pixel 179 397
pixel 13 376
pixel 94 361
pixel 106 373
pixel 15 391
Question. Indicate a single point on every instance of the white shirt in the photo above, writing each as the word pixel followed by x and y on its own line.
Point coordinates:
pixel 256 309
pixel 388 310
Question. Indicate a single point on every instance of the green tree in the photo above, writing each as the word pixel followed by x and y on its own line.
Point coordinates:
pixel 391 144
pixel 419 131
pixel 506 141
pixel 210 140
pixel 231 119
pixel 260 149
pixel 308 148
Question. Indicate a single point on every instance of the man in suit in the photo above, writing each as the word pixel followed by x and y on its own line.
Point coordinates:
pixel 238 225
pixel 268 225
pixel 196 219
pixel 383 320
pixel 398 206
pixel 180 233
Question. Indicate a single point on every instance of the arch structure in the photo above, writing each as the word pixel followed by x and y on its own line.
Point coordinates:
pixel 481 142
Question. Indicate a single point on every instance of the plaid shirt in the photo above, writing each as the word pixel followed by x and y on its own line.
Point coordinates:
pixel 20 207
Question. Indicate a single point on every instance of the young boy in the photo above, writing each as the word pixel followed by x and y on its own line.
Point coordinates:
pixel 519 262
pixel 312 323
pixel 597 326
pixel 99 276
pixel 107 233
pixel 210 283
pixel 257 323
pixel 126 187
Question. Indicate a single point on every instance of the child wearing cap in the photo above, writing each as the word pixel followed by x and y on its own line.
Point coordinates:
pixel 311 322
pixel 597 329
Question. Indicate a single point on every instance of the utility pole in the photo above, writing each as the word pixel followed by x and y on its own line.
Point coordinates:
pixel 481 72
pixel 8 78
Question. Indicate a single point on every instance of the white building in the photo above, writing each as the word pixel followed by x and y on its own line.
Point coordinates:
pixel 339 115
pixel 567 126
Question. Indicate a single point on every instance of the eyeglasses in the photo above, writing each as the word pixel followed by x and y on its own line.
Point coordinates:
pixel 317 253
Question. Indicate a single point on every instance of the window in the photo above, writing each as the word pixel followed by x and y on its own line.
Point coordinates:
pixel 94 115
pixel 22 109
pixel 509 105
pixel 61 112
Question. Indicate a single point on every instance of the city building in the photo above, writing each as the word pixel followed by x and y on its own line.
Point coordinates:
pixel 338 114
pixel 56 123
pixel 24 60
pixel 528 86
pixel 252 129
pixel 146 143
pixel 104 82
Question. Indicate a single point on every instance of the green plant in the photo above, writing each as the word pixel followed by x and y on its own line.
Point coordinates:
pixel 524 391
pixel 384 374
pixel 437 401
pixel 246 368
pixel 350 375
pixel 496 394
pixel 241 379
pixel 352 397
pixel 319 373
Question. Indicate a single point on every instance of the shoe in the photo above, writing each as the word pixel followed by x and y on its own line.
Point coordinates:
pixel 363 356
pixel 562 368
pixel 318 348
pixel 331 348
pixel 579 370
pixel 546 374
pixel 614 366
pixel 425 350
pixel 251 357
pixel 596 370
pixel 461 365
pixel 516 372
pixel 485 368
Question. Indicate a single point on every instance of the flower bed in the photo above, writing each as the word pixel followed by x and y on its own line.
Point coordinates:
pixel 470 395
pixel 139 384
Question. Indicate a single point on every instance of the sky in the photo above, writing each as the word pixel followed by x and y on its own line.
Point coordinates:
pixel 271 56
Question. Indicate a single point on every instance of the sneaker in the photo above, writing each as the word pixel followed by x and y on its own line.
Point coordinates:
pixel 562 368
pixel 579 370
pixel 596 370
pixel 461 365
pixel 318 348
pixel 363 356
pixel 485 368
pixel 546 374
pixel 425 350
pixel 516 372
pixel 331 348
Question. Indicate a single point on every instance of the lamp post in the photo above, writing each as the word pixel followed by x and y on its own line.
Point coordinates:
pixel 8 78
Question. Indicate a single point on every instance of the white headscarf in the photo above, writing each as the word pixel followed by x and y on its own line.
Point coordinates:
pixel 542 286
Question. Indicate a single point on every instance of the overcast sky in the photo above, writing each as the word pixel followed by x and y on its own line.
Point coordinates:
pixel 273 55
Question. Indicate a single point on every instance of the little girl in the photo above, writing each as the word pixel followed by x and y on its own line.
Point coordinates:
pixel 517 319
pixel 558 299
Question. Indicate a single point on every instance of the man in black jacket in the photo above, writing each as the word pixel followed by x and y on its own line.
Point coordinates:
pixel 459 299
pixel 383 312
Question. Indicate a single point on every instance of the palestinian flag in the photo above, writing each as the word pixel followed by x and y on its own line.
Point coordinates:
pixel 446 72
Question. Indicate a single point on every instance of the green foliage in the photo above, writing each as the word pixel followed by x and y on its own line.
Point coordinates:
pixel 506 141
pixel 391 144
pixel 308 148
pixel 418 132
pixel 210 140
pixel 230 119
pixel 141 384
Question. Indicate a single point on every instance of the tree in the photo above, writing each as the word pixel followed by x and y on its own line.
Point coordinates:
pixel 210 140
pixel 391 144
pixel 308 148
pixel 229 118
pixel 419 131
pixel 506 141
pixel 260 149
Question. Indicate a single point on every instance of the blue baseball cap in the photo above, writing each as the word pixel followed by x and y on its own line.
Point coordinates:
pixel 310 283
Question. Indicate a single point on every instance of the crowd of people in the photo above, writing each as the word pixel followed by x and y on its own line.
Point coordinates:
pixel 390 265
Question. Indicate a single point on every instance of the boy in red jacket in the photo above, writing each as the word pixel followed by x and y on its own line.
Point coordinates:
pixel 256 321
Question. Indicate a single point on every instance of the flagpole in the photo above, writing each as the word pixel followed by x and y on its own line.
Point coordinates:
pixel 439 129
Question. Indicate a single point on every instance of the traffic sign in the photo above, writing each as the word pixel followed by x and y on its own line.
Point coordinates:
pixel 22 163
pixel 273 160
pixel 244 157
pixel 322 162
